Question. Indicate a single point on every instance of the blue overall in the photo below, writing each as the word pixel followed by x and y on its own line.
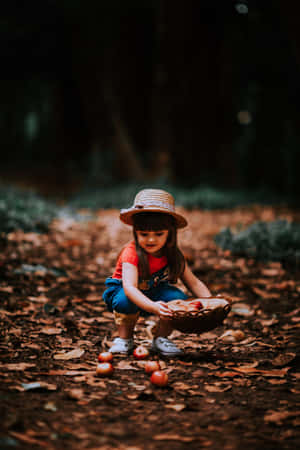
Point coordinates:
pixel 157 289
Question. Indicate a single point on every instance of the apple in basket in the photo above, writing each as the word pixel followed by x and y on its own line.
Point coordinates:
pixel 196 304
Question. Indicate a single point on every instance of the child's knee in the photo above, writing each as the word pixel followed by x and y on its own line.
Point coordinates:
pixel 123 305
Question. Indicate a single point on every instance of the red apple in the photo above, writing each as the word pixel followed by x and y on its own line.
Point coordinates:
pixel 152 366
pixel 159 378
pixel 104 369
pixel 140 352
pixel 196 304
pixel 105 357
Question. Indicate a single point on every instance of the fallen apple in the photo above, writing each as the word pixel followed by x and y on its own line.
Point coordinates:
pixel 105 356
pixel 140 352
pixel 152 366
pixel 104 369
pixel 159 378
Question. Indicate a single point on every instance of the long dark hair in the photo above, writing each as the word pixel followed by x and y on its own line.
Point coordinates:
pixel 155 221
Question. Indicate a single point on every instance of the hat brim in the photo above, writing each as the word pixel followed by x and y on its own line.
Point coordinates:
pixel 126 215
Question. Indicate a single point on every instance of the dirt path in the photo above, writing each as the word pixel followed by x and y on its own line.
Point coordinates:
pixel 221 394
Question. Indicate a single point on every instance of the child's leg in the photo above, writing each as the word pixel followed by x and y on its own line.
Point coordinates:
pixel 125 324
pixel 126 313
pixel 166 293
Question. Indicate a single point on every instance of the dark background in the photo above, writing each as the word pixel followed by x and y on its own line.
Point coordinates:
pixel 103 92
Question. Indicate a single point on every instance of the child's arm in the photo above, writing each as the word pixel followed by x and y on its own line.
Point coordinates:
pixel 193 283
pixel 130 283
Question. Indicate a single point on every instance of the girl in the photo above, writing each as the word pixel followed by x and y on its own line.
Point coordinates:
pixel 146 269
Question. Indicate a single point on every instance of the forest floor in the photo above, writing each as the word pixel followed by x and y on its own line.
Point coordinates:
pixel 224 393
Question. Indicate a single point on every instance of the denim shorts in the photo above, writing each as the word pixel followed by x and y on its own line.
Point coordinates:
pixel 116 300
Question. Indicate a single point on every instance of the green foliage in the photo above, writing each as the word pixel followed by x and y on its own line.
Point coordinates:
pixel 24 210
pixel 204 197
pixel 268 241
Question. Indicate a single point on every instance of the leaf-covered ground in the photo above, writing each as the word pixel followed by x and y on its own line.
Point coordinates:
pixel 229 391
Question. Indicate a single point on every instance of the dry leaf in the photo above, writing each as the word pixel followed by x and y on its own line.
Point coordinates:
pixel 217 388
pixel 176 407
pixel 277 416
pixel 276 381
pixel 268 323
pixel 76 353
pixel 50 330
pixel 174 437
pixel 283 359
pixel 124 365
pixel 180 386
pixel 17 366
pixel 232 336
pixel 23 437
pixel 267 373
pixel 225 374
pixel 76 394
pixel 266 295
pixel 241 309
pixel 271 272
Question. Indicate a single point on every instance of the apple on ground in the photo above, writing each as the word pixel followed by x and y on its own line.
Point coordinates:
pixel 104 369
pixel 140 352
pixel 152 366
pixel 159 378
pixel 105 356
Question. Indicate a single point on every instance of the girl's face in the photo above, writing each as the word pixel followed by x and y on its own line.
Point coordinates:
pixel 152 241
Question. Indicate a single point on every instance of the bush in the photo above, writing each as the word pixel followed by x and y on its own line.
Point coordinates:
pixel 25 210
pixel 205 197
pixel 268 241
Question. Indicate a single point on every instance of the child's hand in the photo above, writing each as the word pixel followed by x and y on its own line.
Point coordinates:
pixel 162 310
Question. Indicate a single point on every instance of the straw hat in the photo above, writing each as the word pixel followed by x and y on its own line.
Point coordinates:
pixel 152 200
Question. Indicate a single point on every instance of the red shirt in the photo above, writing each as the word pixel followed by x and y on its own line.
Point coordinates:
pixel 129 255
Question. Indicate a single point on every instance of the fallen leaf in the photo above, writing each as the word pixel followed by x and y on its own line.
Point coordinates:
pixel 216 388
pixel 28 440
pixel 225 374
pixel 50 406
pixel 50 330
pixel 241 309
pixel 266 373
pixel 268 323
pixel 276 381
pixel 176 407
pixel 174 437
pixel 278 416
pixel 17 366
pixel 271 272
pixel 265 295
pixel 75 394
pixel 231 336
pixel 8 289
pixel 283 359
pixel 124 365
pixel 180 386
pixel 76 353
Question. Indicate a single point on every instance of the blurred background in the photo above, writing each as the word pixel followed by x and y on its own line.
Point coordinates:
pixel 97 94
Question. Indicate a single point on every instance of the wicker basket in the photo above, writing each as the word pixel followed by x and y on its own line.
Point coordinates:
pixel 189 319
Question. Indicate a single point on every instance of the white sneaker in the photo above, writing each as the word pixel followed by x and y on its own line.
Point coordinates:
pixel 165 347
pixel 121 345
